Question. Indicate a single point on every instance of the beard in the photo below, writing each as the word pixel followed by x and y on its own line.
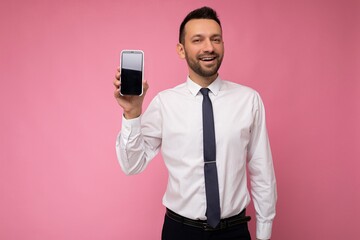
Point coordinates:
pixel 195 64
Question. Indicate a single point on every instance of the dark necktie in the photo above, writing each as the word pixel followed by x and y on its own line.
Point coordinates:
pixel 210 171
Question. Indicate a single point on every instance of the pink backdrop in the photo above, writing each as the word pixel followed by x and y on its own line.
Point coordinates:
pixel 59 176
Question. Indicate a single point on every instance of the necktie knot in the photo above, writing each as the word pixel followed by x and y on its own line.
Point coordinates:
pixel 204 91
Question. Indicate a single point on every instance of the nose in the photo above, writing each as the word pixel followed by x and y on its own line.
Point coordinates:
pixel 208 46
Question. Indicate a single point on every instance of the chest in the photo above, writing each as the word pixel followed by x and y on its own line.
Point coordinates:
pixel 182 119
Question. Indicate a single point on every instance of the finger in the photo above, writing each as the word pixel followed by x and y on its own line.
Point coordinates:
pixel 145 85
pixel 117 94
pixel 117 74
pixel 116 83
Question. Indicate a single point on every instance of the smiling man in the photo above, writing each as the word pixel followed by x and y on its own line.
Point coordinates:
pixel 209 131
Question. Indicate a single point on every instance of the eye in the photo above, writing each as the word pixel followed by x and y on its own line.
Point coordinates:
pixel 217 40
pixel 196 40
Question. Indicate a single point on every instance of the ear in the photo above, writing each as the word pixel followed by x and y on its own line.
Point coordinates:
pixel 180 50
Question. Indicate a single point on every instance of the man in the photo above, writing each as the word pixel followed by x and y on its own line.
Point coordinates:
pixel 208 131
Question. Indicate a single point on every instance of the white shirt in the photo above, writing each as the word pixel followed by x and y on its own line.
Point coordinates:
pixel 173 123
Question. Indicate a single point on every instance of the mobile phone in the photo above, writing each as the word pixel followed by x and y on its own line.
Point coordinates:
pixel 132 72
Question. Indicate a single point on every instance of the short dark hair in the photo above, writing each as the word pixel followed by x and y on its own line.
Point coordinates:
pixel 200 13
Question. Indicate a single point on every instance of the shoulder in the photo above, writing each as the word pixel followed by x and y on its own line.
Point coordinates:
pixel 178 91
pixel 179 88
pixel 170 96
pixel 229 87
pixel 238 93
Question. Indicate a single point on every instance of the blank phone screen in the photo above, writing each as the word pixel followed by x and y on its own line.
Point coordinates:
pixel 131 72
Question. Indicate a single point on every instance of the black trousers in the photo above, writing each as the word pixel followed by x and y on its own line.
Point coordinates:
pixel 173 230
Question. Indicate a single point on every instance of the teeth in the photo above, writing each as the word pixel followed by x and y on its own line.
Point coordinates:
pixel 207 59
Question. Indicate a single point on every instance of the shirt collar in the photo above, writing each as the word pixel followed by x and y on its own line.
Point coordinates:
pixel 194 88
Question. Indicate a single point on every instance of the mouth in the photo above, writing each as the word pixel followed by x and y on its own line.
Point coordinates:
pixel 207 58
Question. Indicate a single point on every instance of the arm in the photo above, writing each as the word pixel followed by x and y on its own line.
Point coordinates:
pixel 138 142
pixel 261 170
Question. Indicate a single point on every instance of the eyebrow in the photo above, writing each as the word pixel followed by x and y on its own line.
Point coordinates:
pixel 201 35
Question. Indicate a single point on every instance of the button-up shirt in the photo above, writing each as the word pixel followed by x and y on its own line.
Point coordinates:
pixel 172 124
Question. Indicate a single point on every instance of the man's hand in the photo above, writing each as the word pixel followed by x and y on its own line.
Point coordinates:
pixel 132 105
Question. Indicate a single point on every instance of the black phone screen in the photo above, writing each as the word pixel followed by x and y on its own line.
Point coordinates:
pixel 131 72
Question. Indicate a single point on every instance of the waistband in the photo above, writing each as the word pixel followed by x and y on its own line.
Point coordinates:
pixel 224 223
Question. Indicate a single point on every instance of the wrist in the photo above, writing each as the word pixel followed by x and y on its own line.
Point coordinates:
pixel 132 114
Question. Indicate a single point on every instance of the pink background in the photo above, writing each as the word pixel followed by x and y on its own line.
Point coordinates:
pixel 59 176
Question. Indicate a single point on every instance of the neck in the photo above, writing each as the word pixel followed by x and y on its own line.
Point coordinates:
pixel 203 81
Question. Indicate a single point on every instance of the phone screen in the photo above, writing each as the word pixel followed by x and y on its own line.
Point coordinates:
pixel 131 72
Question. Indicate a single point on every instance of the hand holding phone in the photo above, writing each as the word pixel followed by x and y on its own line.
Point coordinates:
pixel 132 72
pixel 132 102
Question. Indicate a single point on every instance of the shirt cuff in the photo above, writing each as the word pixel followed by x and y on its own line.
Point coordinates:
pixel 130 125
pixel 263 230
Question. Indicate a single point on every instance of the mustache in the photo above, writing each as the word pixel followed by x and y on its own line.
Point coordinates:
pixel 211 55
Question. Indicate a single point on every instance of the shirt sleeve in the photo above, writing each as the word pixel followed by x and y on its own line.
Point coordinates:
pixel 261 171
pixel 139 140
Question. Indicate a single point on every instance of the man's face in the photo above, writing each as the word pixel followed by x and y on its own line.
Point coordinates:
pixel 203 47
